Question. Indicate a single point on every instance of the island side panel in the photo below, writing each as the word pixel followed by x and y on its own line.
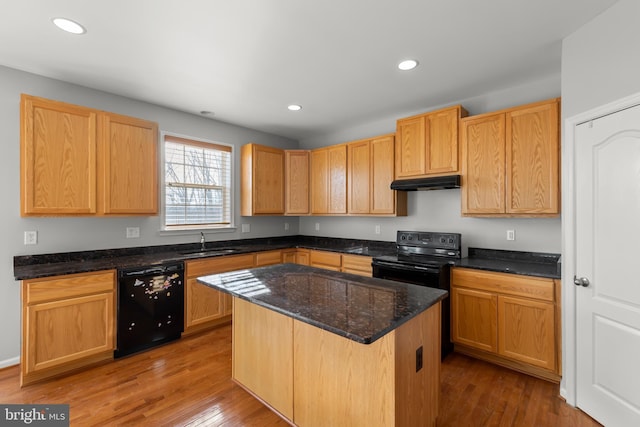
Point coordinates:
pixel 418 393
pixel 263 354
pixel 338 381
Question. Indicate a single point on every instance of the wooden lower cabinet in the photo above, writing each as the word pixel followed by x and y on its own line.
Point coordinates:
pixel 357 264
pixel 474 320
pixel 263 354
pixel 326 260
pixel 507 319
pixel 263 259
pixel 68 322
pixel 206 307
pixel 295 256
pixel 313 377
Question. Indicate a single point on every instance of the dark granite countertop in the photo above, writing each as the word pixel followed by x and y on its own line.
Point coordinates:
pixel 359 308
pixel 526 263
pixel 45 265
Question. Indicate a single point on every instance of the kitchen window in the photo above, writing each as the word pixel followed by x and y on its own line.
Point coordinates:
pixel 197 184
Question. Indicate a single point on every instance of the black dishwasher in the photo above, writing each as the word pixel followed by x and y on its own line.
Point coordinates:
pixel 150 307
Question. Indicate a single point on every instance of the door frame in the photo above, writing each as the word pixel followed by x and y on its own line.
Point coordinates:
pixel 568 384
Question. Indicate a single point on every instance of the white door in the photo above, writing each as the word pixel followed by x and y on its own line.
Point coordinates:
pixel 607 223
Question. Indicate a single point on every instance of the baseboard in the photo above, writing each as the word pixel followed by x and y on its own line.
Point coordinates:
pixel 9 362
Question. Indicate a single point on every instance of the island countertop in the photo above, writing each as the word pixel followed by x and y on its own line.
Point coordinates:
pixel 359 308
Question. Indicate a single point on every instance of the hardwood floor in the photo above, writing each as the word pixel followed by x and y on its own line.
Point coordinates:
pixel 188 383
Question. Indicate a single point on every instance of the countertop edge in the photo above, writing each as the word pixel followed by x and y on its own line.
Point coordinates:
pixel 440 295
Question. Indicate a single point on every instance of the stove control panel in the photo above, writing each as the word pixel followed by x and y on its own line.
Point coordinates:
pixel 429 239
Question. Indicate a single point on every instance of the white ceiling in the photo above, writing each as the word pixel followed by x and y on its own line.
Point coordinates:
pixel 246 60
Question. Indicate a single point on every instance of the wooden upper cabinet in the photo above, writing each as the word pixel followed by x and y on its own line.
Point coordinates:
pixel 80 161
pixel 58 158
pixel 129 164
pixel 384 200
pixel 483 163
pixel 297 182
pixel 370 172
pixel 533 159
pixel 262 178
pixel 427 144
pixel 510 162
pixel 329 180
pixel 359 198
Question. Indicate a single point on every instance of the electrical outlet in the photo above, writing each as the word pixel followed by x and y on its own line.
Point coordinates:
pixel 133 232
pixel 511 234
pixel 419 358
pixel 286 226
pixel 246 228
pixel 317 226
pixel 377 229
pixel 30 237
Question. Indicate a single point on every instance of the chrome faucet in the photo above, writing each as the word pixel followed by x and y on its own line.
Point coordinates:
pixel 202 241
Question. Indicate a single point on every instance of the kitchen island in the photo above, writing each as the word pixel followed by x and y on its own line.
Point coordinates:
pixel 325 348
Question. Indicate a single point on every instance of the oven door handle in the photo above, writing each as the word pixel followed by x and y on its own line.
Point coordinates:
pixel 403 267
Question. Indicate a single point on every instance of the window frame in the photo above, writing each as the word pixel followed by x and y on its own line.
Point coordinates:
pixel 185 228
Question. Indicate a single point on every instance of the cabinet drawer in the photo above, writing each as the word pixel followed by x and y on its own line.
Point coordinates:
pixel 268 258
pixel 325 259
pixel 357 264
pixel 218 265
pixel 68 286
pixel 504 283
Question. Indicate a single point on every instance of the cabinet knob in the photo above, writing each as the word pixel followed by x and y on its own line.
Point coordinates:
pixel 581 281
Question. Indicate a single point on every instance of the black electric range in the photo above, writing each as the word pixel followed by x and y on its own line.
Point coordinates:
pixel 424 258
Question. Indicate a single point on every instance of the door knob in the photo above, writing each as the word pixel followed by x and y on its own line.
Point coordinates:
pixel 582 281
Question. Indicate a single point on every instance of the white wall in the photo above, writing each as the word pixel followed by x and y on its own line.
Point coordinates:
pixel 440 210
pixel 600 61
pixel 600 65
pixel 77 234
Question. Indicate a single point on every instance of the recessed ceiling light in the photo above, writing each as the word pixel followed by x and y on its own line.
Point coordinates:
pixel 68 25
pixel 294 107
pixel 408 64
pixel 206 113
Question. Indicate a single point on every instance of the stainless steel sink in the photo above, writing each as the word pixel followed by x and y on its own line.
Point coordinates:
pixel 357 250
pixel 210 251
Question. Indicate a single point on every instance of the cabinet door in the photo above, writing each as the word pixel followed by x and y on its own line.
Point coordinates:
pixel 532 160
pixel 289 256
pixel 262 180
pixel 411 146
pixel 326 260
pixel 302 257
pixel 263 354
pixel 337 179
pixel 58 158
pixel 128 165
pixel 206 307
pixel 474 318
pixel 203 304
pixel 320 181
pixel 442 141
pixel 357 264
pixel 383 198
pixel 297 182
pixel 483 165
pixel 268 258
pixel 526 331
pixel 69 330
pixel 359 157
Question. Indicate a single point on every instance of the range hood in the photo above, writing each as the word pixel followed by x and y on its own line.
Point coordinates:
pixel 422 184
